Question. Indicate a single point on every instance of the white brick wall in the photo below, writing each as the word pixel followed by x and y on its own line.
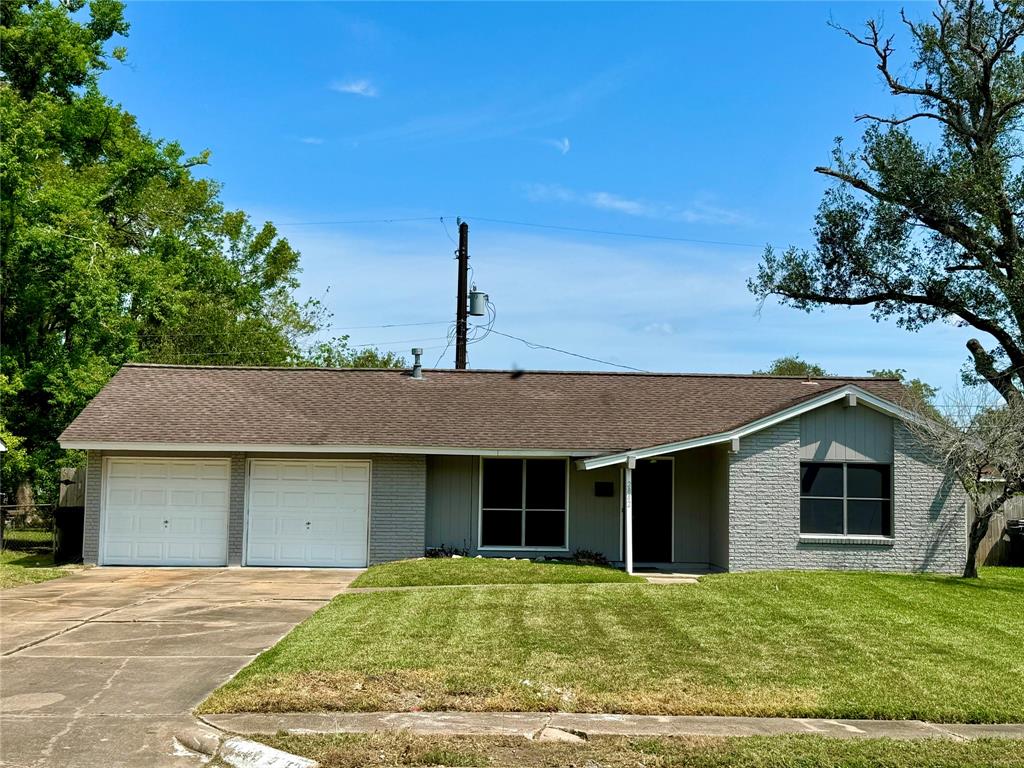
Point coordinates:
pixel 764 511
pixel 91 525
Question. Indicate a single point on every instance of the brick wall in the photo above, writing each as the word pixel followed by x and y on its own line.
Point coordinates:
pixel 398 507
pixel 91 525
pixel 764 511
pixel 236 509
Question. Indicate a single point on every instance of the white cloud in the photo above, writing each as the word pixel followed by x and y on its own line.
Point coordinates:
pixel 311 140
pixel 659 329
pixel 562 145
pixel 694 213
pixel 360 87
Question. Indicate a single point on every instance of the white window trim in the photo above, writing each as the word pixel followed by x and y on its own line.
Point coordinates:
pixel 867 538
pixel 480 510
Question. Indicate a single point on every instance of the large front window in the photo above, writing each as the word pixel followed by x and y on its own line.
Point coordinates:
pixel 523 503
pixel 845 499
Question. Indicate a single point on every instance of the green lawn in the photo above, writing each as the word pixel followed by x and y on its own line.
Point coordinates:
pixel 402 749
pixel 783 644
pixel 467 570
pixel 19 567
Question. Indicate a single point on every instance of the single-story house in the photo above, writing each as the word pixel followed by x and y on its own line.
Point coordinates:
pixel 243 466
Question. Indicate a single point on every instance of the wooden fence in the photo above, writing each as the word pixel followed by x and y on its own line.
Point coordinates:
pixel 995 547
pixel 72 487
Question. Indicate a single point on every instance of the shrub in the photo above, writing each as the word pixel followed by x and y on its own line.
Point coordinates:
pixel 586 557
pixel 446 550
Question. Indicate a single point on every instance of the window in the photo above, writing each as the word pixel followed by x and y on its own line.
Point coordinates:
pixel 846 499
pixel 523 503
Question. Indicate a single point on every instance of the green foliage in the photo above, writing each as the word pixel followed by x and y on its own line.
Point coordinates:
pixel 926 228
pixel 792 366
pixel 112 250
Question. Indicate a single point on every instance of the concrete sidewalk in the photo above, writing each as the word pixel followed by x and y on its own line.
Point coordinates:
pixel 531 724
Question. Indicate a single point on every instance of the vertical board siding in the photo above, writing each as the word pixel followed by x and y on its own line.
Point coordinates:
pixel 594 521
pixel 693 488
pixel 718 528
pixel 451 501
pixel 838 433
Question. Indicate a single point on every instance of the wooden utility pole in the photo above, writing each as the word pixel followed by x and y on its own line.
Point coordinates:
pixel 461 309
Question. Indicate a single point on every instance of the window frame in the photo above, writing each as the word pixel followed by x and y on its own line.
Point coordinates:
pixel 522 508
pixel 846 498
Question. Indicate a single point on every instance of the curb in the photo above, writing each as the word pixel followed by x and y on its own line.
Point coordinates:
pixel 238 752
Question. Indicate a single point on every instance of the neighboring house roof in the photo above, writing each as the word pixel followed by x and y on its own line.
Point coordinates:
pixel 187 407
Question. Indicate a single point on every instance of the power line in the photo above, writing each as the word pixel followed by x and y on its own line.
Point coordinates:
pixel 615 233
pixel 534 345
pixel 172 335
pixel 536 225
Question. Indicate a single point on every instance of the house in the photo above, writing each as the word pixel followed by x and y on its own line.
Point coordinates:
pixel 315 467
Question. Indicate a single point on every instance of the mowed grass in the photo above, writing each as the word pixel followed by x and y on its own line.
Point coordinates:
pixel 403 749
pixel 793 644
pixel 466 570
pixel 18 567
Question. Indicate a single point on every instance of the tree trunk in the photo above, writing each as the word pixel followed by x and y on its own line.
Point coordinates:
pixel 978 530
pixel 979 527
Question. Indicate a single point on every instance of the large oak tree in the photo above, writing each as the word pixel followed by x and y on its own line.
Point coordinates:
pixel 923 222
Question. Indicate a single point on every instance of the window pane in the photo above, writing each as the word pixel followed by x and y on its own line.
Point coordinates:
pixel 545 484
pixel 868 518
pixel 821 516
pixel 503 483
pixel 501 528
pixel 867 481
pixel 545 529
pixel 821 480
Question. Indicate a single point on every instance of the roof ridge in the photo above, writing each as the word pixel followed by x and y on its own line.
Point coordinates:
pixel 509 371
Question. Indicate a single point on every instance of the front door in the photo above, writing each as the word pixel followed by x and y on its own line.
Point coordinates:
pixel 652 511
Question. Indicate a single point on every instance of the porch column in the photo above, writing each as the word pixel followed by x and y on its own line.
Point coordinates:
pixel 628 494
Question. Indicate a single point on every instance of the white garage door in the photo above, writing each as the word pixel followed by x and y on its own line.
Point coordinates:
pixel 312 513
pixel 166 512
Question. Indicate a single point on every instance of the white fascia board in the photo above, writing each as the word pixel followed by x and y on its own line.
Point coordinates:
pixel 112 445
pixel 863 397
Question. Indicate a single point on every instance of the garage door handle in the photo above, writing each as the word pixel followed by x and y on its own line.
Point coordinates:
pixel 307 523
pixel 166 523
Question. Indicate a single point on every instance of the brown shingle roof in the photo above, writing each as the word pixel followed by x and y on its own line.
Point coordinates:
pixel 597 412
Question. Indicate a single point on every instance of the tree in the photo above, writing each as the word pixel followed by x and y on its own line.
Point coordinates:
pixel 928 229
pixel 981 444
pixel 111 250
pixel 792 366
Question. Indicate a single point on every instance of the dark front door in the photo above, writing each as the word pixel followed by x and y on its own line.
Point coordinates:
pixel 652 511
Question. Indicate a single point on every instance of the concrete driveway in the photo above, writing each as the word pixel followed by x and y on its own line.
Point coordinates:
pixel 101 668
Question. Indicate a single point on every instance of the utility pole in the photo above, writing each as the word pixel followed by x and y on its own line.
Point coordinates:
pixel 461 308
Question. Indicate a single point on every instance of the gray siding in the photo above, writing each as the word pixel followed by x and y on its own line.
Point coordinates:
pixel 718 531
pixel 453 487
pixel 764 511
pixel 837 433
pixel 692 505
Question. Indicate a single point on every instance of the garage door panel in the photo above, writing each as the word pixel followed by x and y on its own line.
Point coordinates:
pixel 332 496
pixel 166 512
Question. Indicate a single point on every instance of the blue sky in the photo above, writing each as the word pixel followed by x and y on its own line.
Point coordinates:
pixel 697 121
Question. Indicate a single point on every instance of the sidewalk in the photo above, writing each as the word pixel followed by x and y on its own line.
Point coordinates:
pixel 531 724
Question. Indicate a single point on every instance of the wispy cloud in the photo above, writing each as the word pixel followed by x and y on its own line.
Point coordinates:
pixel 498 118
pixel 562 144
pixel 697 212
pixel 359 87
pixel 315 140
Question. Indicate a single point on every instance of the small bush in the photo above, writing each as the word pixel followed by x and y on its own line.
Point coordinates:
pixel 446 550
pixel 586 557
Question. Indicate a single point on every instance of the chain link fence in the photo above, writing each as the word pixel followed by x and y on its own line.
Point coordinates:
pixel 27 528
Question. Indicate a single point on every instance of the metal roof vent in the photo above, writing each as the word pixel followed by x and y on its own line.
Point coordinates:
pixel 417 366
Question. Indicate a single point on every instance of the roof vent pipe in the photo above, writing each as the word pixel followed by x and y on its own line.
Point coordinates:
pixel 417 366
